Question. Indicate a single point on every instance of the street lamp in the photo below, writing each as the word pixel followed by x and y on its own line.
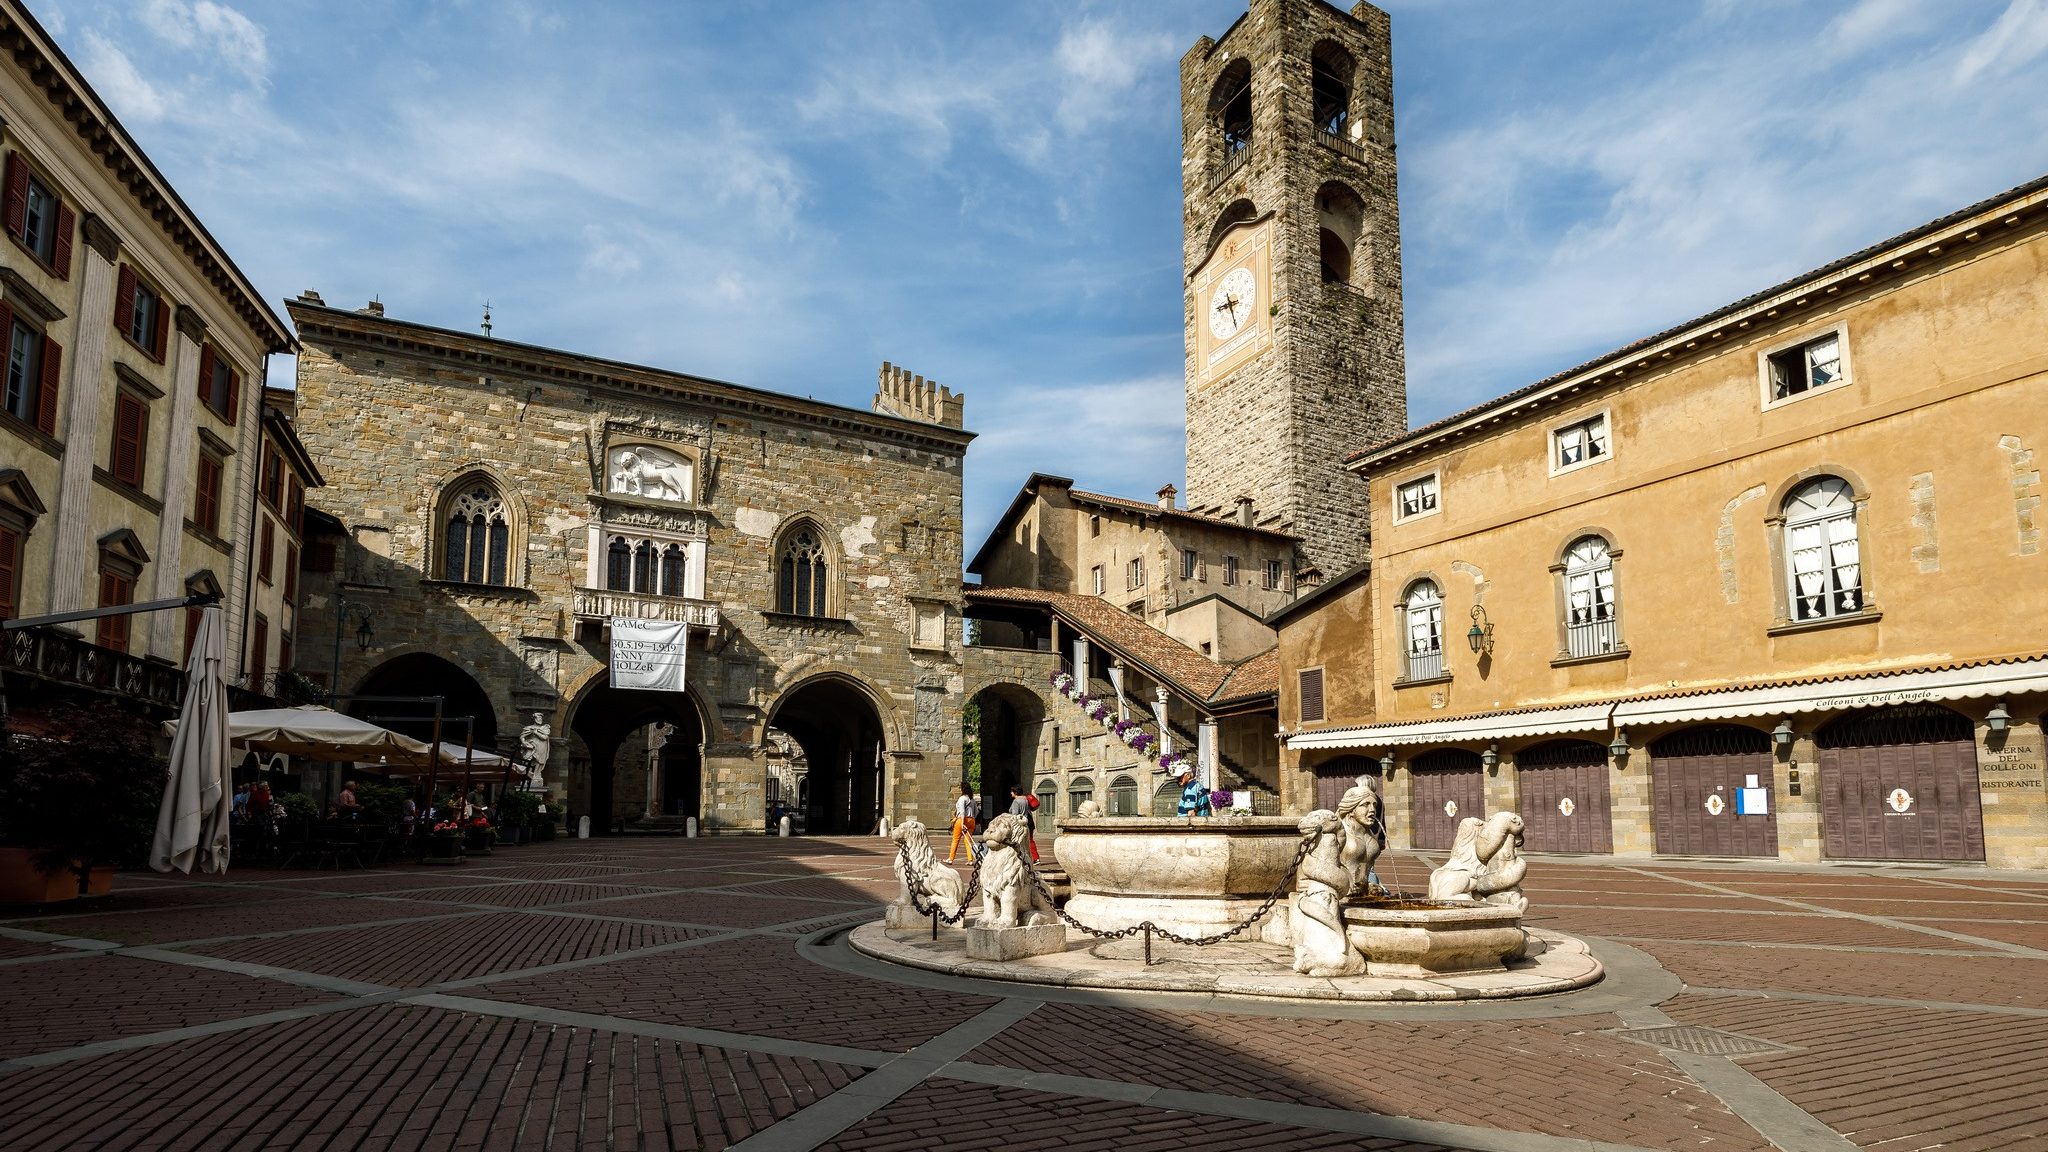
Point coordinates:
pixel 1481 635
pixel 1491 759
pixel 1619 750
pixel 1998 718
pixel 343 610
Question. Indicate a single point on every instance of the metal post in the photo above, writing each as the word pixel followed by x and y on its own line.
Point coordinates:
pixel 1148 943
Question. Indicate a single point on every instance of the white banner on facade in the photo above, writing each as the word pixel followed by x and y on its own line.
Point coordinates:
pixel 648 654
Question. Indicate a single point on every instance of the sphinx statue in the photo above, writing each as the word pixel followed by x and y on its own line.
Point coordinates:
pixel 1365 836
pixel 1320 946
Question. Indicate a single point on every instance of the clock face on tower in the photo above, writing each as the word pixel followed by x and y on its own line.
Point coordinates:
pixel 1230 306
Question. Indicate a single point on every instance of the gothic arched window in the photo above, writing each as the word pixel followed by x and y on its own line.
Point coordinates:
pixel 673 566
pixel 479 536
pixel 800 591
pixel 618 566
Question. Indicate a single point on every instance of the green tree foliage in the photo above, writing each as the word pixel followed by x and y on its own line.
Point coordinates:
pixel 970 755
pixel 89 793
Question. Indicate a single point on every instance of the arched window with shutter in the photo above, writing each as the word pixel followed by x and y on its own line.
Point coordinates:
pixel 1422 613
pixel 1823 556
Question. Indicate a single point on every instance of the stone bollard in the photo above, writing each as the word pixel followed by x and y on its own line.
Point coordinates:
pixel 690 828
pixel 785 828
pixel 583 827
pixel 882 829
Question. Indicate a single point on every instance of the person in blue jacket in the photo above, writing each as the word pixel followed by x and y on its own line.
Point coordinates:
pixel 1194 797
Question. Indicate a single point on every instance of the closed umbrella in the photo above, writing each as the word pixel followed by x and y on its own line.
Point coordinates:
pixel 192 824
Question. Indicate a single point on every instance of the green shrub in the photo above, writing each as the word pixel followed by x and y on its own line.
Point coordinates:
pixel 91 792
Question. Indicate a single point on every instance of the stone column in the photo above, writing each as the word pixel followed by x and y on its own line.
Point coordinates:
pixel 1397 806
pixel 85 388
pixel 179 462
pixel 1799 829
pixel 1631 803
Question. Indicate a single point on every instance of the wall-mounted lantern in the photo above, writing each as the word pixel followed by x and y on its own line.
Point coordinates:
pixel 1619 750
pixel 1481 635
pixel 1491 759
pixel 1782 734
pixel 1998 718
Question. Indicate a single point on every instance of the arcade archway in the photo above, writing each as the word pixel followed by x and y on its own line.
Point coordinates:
pixel 425 674
pixel 616 726
pixel 840 732
pixel 1008 739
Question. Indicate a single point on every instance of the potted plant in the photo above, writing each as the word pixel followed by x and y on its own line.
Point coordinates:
pixel 478 836
pixel 444 843
pixel 518 812
pixel 77 803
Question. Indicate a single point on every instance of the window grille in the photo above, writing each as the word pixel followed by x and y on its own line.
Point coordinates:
pixel 1589 598
pixel 1424 609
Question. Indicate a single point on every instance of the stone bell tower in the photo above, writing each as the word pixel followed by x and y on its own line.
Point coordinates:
pixel 1291 248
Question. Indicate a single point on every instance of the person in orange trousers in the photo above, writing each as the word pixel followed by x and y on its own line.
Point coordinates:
pixel 963 825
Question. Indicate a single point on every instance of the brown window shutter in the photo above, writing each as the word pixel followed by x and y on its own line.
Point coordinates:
pixel 259 645
pixel 205 493
pixel 291 573
pixel 60 255
pixel 161 329
pixel 17 194
pixel 10 562
pixel 1311 682
pixel 268 546
pixel 53 372
pixel 128 440
pixel 234 394
pixel 206 375
pixel 124 300
pixel 6 330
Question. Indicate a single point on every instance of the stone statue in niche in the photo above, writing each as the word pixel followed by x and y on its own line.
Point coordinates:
pixel 535 742
pixel 646 471
pixel 1486 864
pixel 1320 945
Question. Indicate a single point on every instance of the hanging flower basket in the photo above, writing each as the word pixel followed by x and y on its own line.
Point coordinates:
pixel 1142 742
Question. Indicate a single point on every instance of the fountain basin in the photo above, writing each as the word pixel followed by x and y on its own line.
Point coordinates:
pixel 1191 875
pixel 1445 940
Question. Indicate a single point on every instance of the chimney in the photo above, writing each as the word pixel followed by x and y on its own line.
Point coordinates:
pixel 1244 511
pixel 310 296
pixel 373 308
pixel 1166 496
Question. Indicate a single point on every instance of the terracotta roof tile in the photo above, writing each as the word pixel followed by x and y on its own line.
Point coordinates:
pixel 1192 673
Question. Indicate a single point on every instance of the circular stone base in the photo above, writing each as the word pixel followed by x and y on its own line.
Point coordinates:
pixel 1238 968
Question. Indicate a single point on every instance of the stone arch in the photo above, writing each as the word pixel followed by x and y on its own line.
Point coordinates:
pixel 844 727
pixel 1236 212
pixel 1343 236
pixel 1858 490
pixel 1010 737
pixel 609 721
pixel 1230 104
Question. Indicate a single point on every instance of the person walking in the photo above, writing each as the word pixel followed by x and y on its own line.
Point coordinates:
pixel 345 805
pixel 963 825
pixel 1021 805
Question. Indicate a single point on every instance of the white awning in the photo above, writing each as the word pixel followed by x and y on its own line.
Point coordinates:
pixel 1462 729
pixel 2017 678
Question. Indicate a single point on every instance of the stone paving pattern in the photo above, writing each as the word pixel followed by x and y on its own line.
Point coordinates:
pixel 661 994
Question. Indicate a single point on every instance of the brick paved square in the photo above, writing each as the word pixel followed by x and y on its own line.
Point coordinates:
pixel 722 908
pixel 215 920
pixel 65 1003
pixel 758 985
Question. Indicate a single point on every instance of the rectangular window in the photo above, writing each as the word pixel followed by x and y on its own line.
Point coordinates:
pixel 1274 574
pixel 206 494
pixel 1095 578
pixel 146 320
pixel 10 573
pixel 1135 573
pixel 38 218
pixel 1417 497
pixel 24 371
pixel 131 438
pixel 1135 607
pixel 1311 681
pixel 266 546
pixel 1095 526
pixel 273 478
pixel 220 386
pixel 295 507
pixel 1584 442
pixel 284 652
pixel 1804 368
pixel 1188 560
pixel 291 573
pixel 1230 569
pixel 116 589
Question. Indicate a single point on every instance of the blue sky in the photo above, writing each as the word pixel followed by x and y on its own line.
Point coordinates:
pixel 786 194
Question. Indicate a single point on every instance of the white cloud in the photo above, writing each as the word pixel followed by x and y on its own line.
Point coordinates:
pixel 1871 21
pixel 134 99
pixel 1100 66
pixel 2016 39
pixel 217 30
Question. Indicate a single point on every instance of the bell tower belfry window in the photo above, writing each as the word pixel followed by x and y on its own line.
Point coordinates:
pixel 1291 253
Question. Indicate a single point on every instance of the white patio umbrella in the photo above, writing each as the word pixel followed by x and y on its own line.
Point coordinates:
pixel 192 824
pixel 317 733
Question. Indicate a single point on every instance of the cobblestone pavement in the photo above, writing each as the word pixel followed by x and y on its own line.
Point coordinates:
pixel 691 994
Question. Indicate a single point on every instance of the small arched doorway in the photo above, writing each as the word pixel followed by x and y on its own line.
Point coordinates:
pixel 619 726
pixel 1006 738
pixel 840 732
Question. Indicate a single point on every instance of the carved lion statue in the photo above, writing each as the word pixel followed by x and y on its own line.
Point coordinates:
pixel 1089 810
pixel 640 472
pixel 1320 945
pixel 1486 863
pixel 939 884
pixel 1009 899
pixel 1364 835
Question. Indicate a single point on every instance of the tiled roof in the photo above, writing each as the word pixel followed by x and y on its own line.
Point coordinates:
pixel 1907 237
pixel 1193 674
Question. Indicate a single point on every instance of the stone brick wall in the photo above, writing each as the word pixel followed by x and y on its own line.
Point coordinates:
pixel 393 413
pixel 1278 427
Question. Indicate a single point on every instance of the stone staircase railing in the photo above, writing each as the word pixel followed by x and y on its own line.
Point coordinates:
pixel 1230 774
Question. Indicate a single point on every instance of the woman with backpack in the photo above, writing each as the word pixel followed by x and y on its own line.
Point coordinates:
pixel 1022 804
